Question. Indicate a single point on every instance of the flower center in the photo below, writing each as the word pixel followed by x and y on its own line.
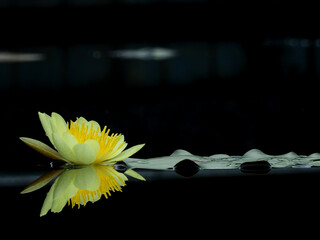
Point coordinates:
pixel 84 132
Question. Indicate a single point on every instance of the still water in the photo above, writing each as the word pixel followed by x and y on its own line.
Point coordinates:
pixel 186 194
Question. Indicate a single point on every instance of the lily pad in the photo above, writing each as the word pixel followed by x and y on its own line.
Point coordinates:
pixel 224 161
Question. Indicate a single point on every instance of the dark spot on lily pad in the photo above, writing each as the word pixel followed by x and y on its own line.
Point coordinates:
pixel 120 166
pixel 257 167
pixel 186 168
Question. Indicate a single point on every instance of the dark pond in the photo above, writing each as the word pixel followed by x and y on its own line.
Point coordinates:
pixel 210 77
pixel 220 198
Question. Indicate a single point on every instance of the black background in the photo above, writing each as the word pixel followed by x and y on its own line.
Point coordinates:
pixel 271 104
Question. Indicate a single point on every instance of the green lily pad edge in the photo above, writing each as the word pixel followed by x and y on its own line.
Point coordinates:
pixel 224 161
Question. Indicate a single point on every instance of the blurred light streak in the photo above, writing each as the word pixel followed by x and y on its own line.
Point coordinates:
pixel 145 53
pixel 11 57
pixel 17 178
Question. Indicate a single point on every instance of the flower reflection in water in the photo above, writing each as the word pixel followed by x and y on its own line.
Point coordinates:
pixel 79 185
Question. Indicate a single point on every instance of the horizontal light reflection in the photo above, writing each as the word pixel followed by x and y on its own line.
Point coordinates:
pixel 145 53
pixel 10 57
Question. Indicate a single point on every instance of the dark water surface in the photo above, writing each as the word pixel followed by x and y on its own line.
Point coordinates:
pixel 211 200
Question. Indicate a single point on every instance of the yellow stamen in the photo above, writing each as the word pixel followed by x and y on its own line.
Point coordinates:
pixel 85 132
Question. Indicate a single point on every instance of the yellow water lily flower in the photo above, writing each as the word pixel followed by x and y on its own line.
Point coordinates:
pixel 80 142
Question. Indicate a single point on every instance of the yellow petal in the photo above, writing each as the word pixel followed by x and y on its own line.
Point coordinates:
pixel 42 181
pixel 61 190
pixel 87 178
pixel 94 144
pixel 47 204
pixel 85 154
pixel 64 190
pixel 58 204
pixel 95 125
pixel 64 150
pixel 125 154
pixel 134 174
pixel 63 184
pixel 58 124
pixel 46 124
pixel 42 148
pixel 69 139
pixel 82 120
